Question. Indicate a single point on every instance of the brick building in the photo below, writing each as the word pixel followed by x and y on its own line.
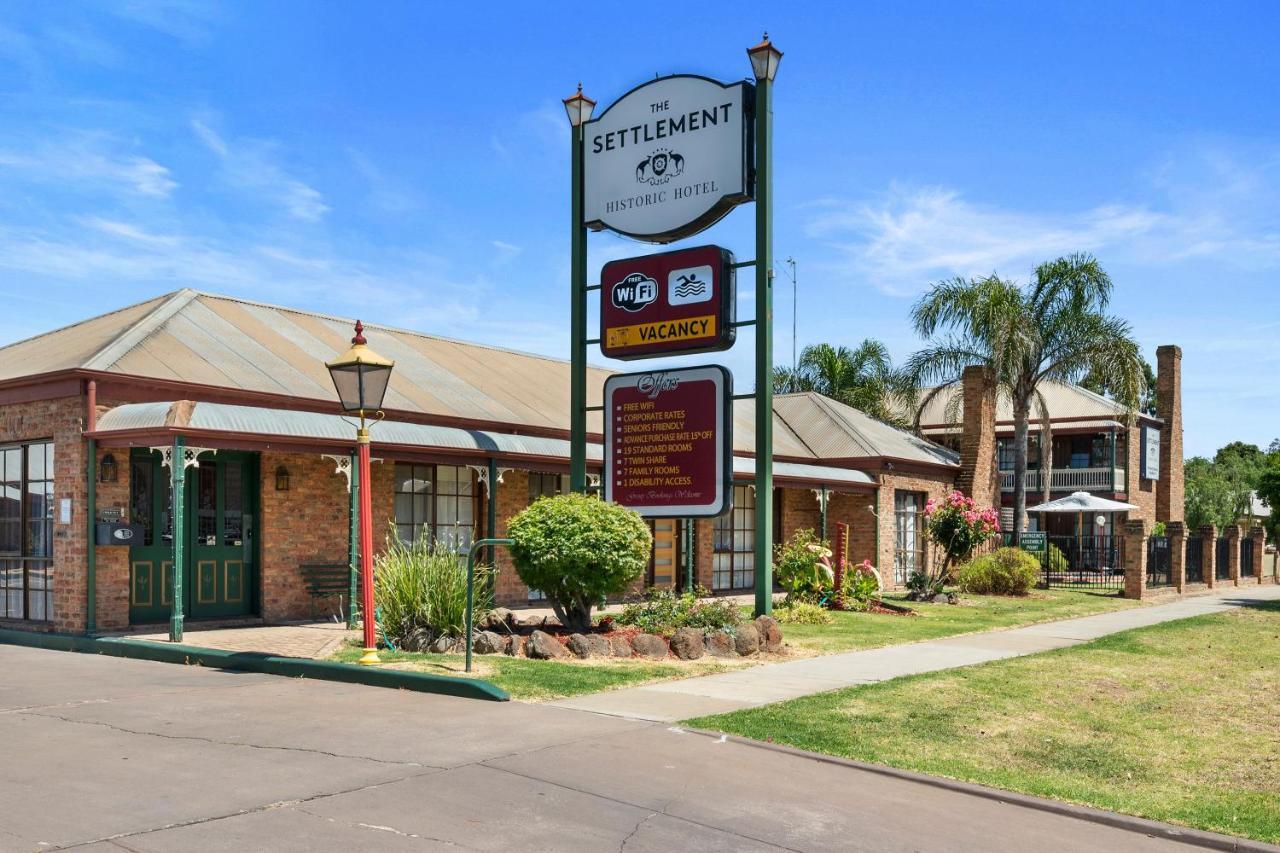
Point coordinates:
pixel 237 394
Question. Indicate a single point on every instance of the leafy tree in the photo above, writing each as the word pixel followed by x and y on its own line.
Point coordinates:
pixel 1097 383
pixel 1269 491
pixel 863 377
pixel 1055 328
pixel 578 550
pixel 1207 494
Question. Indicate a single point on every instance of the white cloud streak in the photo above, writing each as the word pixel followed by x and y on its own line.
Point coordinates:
pixel 250 165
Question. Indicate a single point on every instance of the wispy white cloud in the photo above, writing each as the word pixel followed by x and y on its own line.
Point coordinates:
pixel 185 20
pixel 250 164
pixel 908 236
pixel 92 159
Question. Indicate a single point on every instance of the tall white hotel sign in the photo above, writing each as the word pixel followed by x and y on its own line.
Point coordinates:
pixel 669 158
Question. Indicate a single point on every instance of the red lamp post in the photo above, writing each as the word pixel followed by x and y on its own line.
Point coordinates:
pixel 360 376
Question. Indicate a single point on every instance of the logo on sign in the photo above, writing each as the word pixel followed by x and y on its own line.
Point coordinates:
pixel 634 292
pixel 653 384
pixel 688 286
pixel 659 167
pixel 122 533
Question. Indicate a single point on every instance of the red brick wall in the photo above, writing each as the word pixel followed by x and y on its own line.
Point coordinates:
pixel 932 485
pixel 1170 490
pixel 512 495
pixel 1142 492
pixel 112 575
pixel 61 420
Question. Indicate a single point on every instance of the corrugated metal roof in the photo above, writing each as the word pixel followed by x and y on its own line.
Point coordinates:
pixel 1065 401
pixel 832 430
pixel 240 345
pixel 251 420
pixel 1007 429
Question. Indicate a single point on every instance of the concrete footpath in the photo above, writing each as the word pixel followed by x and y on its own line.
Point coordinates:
pixel 762 685
pixel 108 755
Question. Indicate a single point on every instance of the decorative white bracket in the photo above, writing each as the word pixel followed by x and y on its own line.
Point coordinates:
pixel 824 498
pixel 190 455
pixel 342 465
pixel 482 474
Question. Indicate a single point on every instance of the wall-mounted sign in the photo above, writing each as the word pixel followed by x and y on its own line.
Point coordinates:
pixel 1150 453
pixel 668 440
pixel 669 158
pixel 668 304
pixel 1033 541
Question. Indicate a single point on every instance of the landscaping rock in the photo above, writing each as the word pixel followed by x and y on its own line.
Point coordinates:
pixel 770 634
pixel 747 639
pixel 514 645
pixel 488 643
pixel 687 644
pixel 444 645
pixel 417 641
pixel 946 598
pixel 543 646
pixel 619 646
pixel 649 646
pixel 577 644
pixel 720 645
pixel 499 618
pixel 599 646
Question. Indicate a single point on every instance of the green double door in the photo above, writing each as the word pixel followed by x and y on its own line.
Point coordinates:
pixel 221 556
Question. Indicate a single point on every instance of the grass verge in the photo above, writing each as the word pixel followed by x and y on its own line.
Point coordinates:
pixel 852 631
pixel 1174 722
pixel 532 680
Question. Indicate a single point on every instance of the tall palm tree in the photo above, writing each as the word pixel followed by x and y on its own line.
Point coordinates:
pixel 1054 329
pixel 863 377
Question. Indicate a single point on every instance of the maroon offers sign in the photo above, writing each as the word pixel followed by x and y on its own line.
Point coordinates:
pixel 667 449
pixel 667 304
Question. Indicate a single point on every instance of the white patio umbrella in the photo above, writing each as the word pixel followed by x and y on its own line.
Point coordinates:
pixel 1081 502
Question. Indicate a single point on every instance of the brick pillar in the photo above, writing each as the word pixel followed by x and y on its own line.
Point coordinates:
pixel 704 533
pixel 978 473
pixel 1169 488
pixel 1232 532
pixel 1135 558
pixel 1177 533
pixel 1258 535
pixel 1209 544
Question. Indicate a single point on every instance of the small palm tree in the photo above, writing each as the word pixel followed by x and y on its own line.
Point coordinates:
pixel 863 377
pixel 1054 329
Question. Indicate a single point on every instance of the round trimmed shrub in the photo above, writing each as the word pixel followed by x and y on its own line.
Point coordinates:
pixel 1006 571
pixel 578 550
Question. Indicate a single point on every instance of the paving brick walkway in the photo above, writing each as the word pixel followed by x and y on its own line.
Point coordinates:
pixel 761 685
pixel 309 640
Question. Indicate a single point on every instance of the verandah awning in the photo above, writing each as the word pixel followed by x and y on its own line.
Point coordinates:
pixel 285 427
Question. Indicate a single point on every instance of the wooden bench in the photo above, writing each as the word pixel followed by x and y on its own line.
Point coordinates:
pixel 325 580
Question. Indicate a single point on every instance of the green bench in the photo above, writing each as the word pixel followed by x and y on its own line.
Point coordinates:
pixel 326 580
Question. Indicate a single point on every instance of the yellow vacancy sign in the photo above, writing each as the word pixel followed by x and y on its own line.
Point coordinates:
pixel 688 329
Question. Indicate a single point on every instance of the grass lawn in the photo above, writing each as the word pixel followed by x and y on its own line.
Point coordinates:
pixel 852 631
pixel 544 679
pixel 1176 722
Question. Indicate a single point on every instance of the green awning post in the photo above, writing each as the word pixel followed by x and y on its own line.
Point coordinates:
pixel 764 347
pixel 825 498
pixel 690 537
pixel 91 551
pixel 178 520
pixel 353 541
pixel 491 503
pixel 471 584
pixel 578 324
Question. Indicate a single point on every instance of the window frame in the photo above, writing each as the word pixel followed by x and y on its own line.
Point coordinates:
pixel 26 561
pixel 902 567
pixel 430 522
pixel 744 502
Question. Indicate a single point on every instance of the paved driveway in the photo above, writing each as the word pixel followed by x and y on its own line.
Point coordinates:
pixel 103 754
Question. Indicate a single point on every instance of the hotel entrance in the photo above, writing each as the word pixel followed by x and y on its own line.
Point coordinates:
pixel 221 559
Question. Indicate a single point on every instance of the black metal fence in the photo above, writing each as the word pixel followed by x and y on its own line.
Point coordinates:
pixel 1084 562
pixel 1221 568
pixel 1159 562
pixel 1195 559
pixel 1246 557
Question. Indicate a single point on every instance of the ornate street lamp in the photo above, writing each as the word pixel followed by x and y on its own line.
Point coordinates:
pixel 579 108
pixel 764 59
pixel 360 376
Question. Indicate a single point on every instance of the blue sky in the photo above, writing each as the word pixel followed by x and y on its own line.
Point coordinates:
pixel 409 162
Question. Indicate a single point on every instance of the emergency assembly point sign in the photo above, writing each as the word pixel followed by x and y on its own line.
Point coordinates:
pixel 668 444
pixel 668 304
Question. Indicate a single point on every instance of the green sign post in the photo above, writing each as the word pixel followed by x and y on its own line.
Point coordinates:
pixel 668 160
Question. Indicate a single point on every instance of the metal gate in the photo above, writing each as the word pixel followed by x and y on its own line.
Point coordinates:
pixel 1194 562
pixel 1159 565
pixel 1246 557
pixel 1091 562
pixel 1221 568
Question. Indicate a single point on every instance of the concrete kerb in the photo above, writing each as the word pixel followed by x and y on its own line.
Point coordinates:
pixel 125 647
pixel 1142 826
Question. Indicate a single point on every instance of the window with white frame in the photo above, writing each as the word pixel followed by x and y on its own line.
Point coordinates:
pixel 438 501
pixel 734 547
pixel 26 531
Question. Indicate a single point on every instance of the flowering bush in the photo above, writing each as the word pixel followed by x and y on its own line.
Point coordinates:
pixel 802 566
pixel 958 526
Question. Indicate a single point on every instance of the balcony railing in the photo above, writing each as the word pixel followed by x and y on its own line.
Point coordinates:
pixel 1071 480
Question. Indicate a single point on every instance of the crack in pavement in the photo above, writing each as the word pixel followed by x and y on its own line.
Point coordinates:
pixel 242 744
pixel 391 829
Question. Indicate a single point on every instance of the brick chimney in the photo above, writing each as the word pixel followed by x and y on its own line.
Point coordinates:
pixel 1169 488
pixel 978 472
